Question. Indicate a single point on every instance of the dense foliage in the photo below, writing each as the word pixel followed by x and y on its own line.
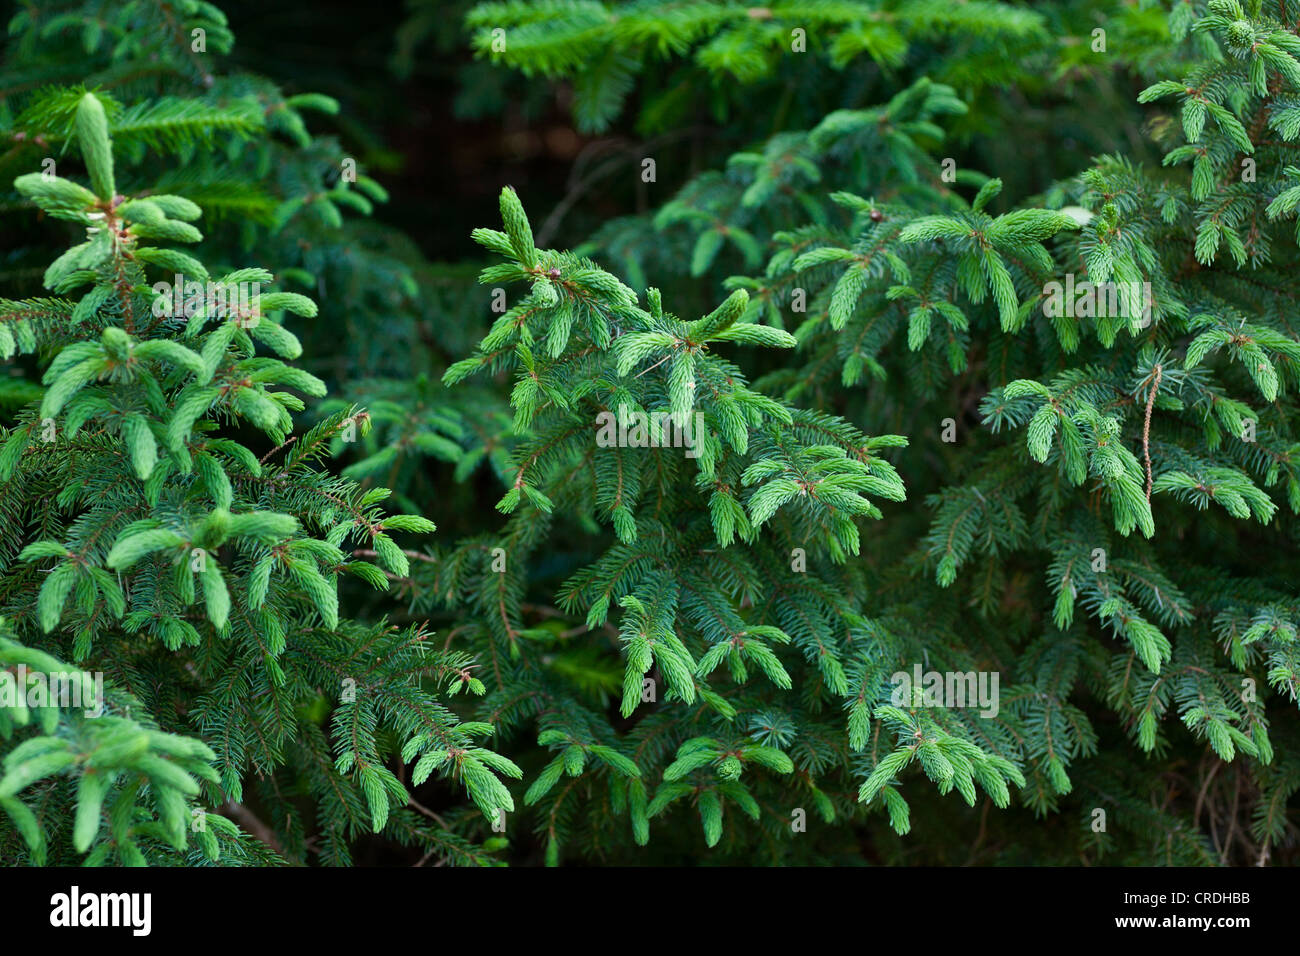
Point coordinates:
pixel 917 360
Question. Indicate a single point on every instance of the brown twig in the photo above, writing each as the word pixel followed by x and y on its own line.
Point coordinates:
pixel 368 553
pixel 1146 426
pixel 249 821
pixel 283 444
pixel 411 802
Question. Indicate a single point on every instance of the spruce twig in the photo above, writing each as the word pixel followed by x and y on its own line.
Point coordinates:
pixel 1146 426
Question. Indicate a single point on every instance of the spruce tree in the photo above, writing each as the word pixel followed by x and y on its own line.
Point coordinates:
pixel 195 579
pixel 1093 530
pixel 960 343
